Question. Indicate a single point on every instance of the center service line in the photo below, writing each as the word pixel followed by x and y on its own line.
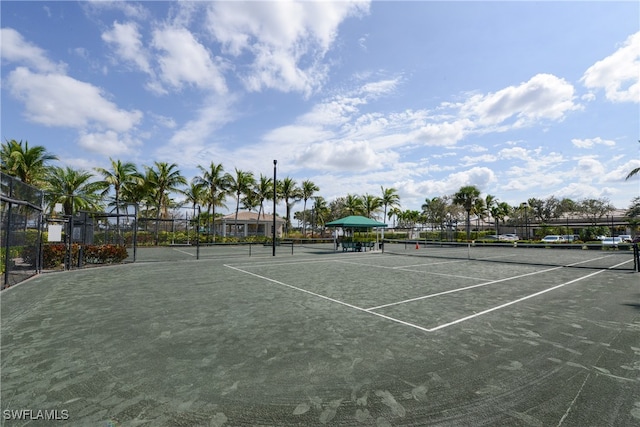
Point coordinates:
pixel 329 299
pixel 522 299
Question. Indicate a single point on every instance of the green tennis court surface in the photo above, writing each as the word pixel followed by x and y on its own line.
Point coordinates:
pixel 316 337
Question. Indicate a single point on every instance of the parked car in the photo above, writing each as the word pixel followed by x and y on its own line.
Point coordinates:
pixel 489 237
pixel 612 241
pixel 626 238
pixel 553 238
pixel 509 237
pixel 571 237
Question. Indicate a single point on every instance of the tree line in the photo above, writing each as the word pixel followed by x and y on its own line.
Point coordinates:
pixel 154 189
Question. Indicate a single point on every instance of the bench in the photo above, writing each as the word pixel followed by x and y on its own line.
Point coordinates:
pixel 353 246
pixel 369 245
pixel 357 246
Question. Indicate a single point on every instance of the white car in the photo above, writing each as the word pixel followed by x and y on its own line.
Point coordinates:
pixel 553 239
pixel 626 238
pixel 509 237
pixel 612 241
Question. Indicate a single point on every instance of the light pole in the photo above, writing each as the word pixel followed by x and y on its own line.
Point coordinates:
pixel 275 193
pixel 524 206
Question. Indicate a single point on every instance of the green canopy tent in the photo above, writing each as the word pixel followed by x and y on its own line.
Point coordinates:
pixel 355 222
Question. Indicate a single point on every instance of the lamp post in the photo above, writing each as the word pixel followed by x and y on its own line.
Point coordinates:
pixel 524 206
pixel 275 193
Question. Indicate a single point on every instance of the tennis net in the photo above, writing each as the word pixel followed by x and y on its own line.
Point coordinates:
pixel 623 257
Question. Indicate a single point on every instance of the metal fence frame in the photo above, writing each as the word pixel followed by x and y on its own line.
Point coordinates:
pixel 21 207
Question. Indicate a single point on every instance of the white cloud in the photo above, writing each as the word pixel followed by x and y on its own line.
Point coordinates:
pixel 16 49
pixel 59 100
pixel 127 43
pixel 417 191
pixel 297 135
pixel 582 190
pixel 192 139
pixel 619 73
pixel 619 172
pixel 186 61
pixel 543 97
pixel 485 158
pixel 108 143
pixel 128 9
pixel 164 121
pixel 481 177
pixel 380 88
pixel 514 153
pixel 588 168
pixel 287 40
pixel 347 155
pixel 441 134
pixel 591 142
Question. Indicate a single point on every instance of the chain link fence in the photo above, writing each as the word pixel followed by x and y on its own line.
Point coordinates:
pixel 20 230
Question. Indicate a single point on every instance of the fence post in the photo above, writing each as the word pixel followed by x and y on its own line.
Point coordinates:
pixel 7 246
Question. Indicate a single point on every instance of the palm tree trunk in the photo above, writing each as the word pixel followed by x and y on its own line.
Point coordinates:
pixel 235 225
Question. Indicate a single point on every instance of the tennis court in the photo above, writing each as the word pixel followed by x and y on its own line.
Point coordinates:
pixel 430 336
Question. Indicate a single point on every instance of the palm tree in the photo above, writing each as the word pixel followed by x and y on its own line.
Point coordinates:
pixel 466 197
pixel 29 164
pixel 73 188
pixel 390 199
pixel 251 201
pixel 371 204
pixel 500 211
pixel 321 211
pixel 138 193
pixel 291 194
pixel 217 189
pixel 632 173
pixel 435 210
pixel 240 185
pixel 120 175
pixel 308 188
pixel 164 178
pixel 408 219
pixel 489 202
pixel 353 205
pixel 394 213
pixel 479 209
pixel 194 194
pixel 263 191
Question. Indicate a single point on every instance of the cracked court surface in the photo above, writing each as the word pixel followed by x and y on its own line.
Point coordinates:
pixel 345 339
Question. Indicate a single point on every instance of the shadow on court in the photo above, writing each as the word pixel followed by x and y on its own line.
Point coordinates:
pixel 305 341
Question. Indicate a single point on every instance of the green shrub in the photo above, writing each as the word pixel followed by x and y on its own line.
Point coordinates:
pixel 54 255
pixel 105 254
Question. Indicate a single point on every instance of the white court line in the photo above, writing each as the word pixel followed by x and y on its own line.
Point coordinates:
pixel 413 325
pixel 525 298
pixel 484 284
pixel 178 250
pixel 451 291
pixel 310 260
pixel 327 298
pixel 413 271
pixel 514 301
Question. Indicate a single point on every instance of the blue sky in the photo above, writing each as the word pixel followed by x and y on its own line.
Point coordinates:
pixel 521 99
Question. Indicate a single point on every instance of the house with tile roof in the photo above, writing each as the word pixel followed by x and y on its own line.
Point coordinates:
pixel 249 224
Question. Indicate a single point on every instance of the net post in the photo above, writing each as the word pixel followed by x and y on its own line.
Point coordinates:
pixel 636 258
